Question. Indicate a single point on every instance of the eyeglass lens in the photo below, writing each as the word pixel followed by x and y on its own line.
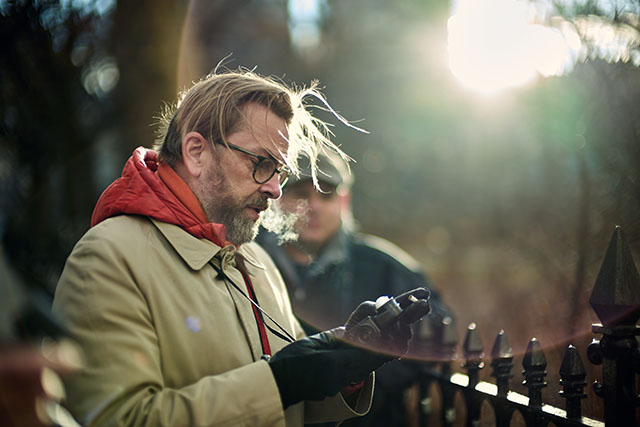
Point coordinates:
pixel 265 170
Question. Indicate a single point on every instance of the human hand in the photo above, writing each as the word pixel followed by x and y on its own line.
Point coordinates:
pixel 320 365
pixel 317 366
pixel 384 326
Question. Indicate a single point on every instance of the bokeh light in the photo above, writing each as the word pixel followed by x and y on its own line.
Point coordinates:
pixel 497 44
pixel 493 44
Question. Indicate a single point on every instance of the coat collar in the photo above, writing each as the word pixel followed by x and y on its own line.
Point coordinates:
pixel 198 252
pixel 195 252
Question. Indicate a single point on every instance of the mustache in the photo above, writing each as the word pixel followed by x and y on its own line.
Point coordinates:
pixel 260 202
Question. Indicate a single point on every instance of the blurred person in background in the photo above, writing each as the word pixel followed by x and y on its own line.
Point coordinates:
pixel 330 267
pixel 183 319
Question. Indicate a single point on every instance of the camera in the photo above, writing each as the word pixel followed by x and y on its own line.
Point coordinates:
pixel 368 331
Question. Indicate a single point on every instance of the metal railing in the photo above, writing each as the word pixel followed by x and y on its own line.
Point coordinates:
pixel 616 301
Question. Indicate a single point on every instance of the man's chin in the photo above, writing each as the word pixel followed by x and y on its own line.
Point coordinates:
pixel 242 229
pixel 248 234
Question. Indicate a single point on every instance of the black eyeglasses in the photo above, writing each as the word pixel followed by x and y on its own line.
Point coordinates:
pixel 265 167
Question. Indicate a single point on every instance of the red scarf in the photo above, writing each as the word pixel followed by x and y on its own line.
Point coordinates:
pixel 153 190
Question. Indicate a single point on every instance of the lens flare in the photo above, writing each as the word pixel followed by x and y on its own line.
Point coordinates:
pixel 493 45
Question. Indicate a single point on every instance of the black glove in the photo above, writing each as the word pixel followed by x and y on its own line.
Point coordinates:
pixel 394 324
pixel 320 365
pixel 316 367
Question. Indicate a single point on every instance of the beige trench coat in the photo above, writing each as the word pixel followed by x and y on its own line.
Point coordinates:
pixel 167 341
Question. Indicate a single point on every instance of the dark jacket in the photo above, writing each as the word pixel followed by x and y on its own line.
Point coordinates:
pixel 352 268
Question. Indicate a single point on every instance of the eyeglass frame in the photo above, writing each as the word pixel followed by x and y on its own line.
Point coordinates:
pixel 279 170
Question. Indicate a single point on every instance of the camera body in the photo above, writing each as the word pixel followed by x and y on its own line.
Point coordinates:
pixel 369 330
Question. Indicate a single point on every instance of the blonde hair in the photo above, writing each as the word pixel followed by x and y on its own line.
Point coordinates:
pixel 212 107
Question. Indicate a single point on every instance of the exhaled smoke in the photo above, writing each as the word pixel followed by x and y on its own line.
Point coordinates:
pixel 283 223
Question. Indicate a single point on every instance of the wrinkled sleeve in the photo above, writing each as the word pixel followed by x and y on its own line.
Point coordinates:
pixel 122 383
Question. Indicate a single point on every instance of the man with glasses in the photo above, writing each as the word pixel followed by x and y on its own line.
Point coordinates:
pixel 184 320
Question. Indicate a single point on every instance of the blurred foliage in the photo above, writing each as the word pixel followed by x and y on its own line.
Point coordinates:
pixel 49 123
pixel 507 200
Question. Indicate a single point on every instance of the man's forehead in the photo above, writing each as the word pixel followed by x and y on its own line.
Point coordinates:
pixel 269 129
pixel 274 149
pixel 259 115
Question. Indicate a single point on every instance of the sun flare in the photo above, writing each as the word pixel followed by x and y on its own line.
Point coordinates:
pixel 493 44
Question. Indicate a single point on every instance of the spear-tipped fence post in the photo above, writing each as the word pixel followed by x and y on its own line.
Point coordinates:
pixel 573 374
pixel 422 345
pixel 435 344
pixel 449 354
pixel 473 351
pixel 502 363
pixel 616 301
pixel 534 364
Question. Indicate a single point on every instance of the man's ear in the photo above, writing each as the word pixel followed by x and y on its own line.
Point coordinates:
pixel 194 150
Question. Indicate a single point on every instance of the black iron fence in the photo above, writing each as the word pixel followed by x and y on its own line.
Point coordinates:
pixel 615 300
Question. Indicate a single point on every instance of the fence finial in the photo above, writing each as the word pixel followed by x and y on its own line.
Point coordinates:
pixel 573 374
pixel 616 293
pixel 616 301
pixel 535 364
pixel 473 343
pixel 502 362
pixel 473 351
pixel 449 339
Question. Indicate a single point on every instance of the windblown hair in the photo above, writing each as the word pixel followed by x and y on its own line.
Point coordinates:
pixel 213 108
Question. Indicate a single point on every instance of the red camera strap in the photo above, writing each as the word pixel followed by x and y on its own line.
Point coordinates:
pixel 266 348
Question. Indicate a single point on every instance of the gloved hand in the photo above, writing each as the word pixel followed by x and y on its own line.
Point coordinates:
pixel 320 365
pixel 394 335
pixel 316 367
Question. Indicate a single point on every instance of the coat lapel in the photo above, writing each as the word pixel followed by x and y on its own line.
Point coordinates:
pixel 198 253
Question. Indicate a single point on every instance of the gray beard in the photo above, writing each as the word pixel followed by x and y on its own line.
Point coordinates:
pixel 239 228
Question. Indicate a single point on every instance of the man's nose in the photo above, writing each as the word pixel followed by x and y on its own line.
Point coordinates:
pixel 272 188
